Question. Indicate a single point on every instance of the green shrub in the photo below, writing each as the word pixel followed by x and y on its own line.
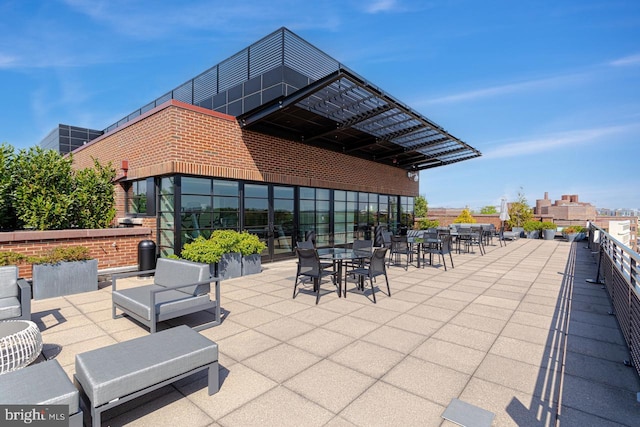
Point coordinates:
pixel 221 242
pixel 62 253
pixel 519 212
pixel 11 258
pixel 250 244
pixel 548 225
pixel 203 250
pixel 465 217
pixel 428 223
pixel 571 229
pixel 532 225
pixel 39 189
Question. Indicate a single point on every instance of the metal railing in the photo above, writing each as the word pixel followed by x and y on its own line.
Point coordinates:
pixel 618 272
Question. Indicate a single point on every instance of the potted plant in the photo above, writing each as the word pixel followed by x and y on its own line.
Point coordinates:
pixel 570 233
pixel 64 271
pixel 532 229
pixel 251 247
pixel 519 213
pixel 548 230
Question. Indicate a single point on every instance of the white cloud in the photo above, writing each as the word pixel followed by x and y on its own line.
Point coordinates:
pixel 381 6
pixel 507 89
pixel 557 140
pixel 7 61
pixel 626 61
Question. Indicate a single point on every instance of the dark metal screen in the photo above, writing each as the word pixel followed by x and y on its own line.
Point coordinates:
pixel 281 50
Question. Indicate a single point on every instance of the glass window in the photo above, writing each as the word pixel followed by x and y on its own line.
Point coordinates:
pixel 225 188
pixel 283 192
pixel 192 185
pixel 307 193
pixel 138 198
pixel 251 190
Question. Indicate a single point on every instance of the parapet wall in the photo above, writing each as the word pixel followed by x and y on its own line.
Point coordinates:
pixel 112 247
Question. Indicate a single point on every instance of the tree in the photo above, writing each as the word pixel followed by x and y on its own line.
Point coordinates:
pixel 519 211
pixel 42 188
pixel 465 217
pixel 7 216
pixel 93 196
pixel 41 191
pixel 489 210
pixel 420 207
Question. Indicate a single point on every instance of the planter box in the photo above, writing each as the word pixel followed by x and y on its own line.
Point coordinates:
pixel 571 237
pixel 64 278
pixel 535 234
pixel 518 230
pixel 251 264
pixel 229 266
pixel 548 234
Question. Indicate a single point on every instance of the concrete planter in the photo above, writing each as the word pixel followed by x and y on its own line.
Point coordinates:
pixel 571 237
pixel 535 234
pixel 548 234
pixel 518 230
pixel 251 264
pixel 229 266
pixel 64 278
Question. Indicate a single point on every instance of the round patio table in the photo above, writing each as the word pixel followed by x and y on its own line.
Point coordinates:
pixel 20 344
pixel 339 257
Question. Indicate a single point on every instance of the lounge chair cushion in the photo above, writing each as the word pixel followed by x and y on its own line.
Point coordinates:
pixel 171 272
pixel 8 281
pixel 44 383
pixel 136 300
pixel 10 308
pixel 120 369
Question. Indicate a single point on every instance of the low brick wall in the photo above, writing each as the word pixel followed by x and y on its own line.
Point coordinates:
pixel 112 247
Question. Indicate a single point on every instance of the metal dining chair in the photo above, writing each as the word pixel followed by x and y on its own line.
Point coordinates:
pixel 442 249
pixel 375 267
pixel 310 268
pixel 399 247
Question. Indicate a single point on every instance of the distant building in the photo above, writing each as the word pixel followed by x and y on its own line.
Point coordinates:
pixel 568 208
pixel 570 211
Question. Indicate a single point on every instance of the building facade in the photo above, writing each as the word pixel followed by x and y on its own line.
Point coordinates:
pixel 279 140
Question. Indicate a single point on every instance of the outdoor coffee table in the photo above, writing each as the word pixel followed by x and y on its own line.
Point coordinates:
pixel 20 344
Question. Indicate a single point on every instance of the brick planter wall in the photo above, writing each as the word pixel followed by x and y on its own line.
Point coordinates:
pixel 112 247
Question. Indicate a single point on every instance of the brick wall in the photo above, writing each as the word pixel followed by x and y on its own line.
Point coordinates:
pixel 181 138
pixel 112 247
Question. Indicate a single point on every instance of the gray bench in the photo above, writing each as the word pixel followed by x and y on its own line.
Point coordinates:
pixel 179 287
pixel 44 383
pixel 118 373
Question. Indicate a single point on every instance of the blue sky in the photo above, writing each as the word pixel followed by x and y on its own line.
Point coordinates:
pixel 548 91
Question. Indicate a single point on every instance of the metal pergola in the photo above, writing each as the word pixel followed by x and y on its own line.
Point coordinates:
pixel 343 112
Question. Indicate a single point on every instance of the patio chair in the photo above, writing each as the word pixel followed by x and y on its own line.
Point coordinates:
pixel 308 244
pixel 476 239
pixel 441 250
pixel 374 268
pixel 15 295
pixel 359 245
pixel 310 269
pixel 399 247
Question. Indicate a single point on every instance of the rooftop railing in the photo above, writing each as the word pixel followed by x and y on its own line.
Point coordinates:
pixel 618 272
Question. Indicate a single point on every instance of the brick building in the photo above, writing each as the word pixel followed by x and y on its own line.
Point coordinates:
pixel 568 208
pixel 280 139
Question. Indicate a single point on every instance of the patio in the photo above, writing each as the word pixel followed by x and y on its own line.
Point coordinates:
pixel 517 332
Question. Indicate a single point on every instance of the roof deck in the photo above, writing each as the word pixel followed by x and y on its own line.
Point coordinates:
pixel 517 332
